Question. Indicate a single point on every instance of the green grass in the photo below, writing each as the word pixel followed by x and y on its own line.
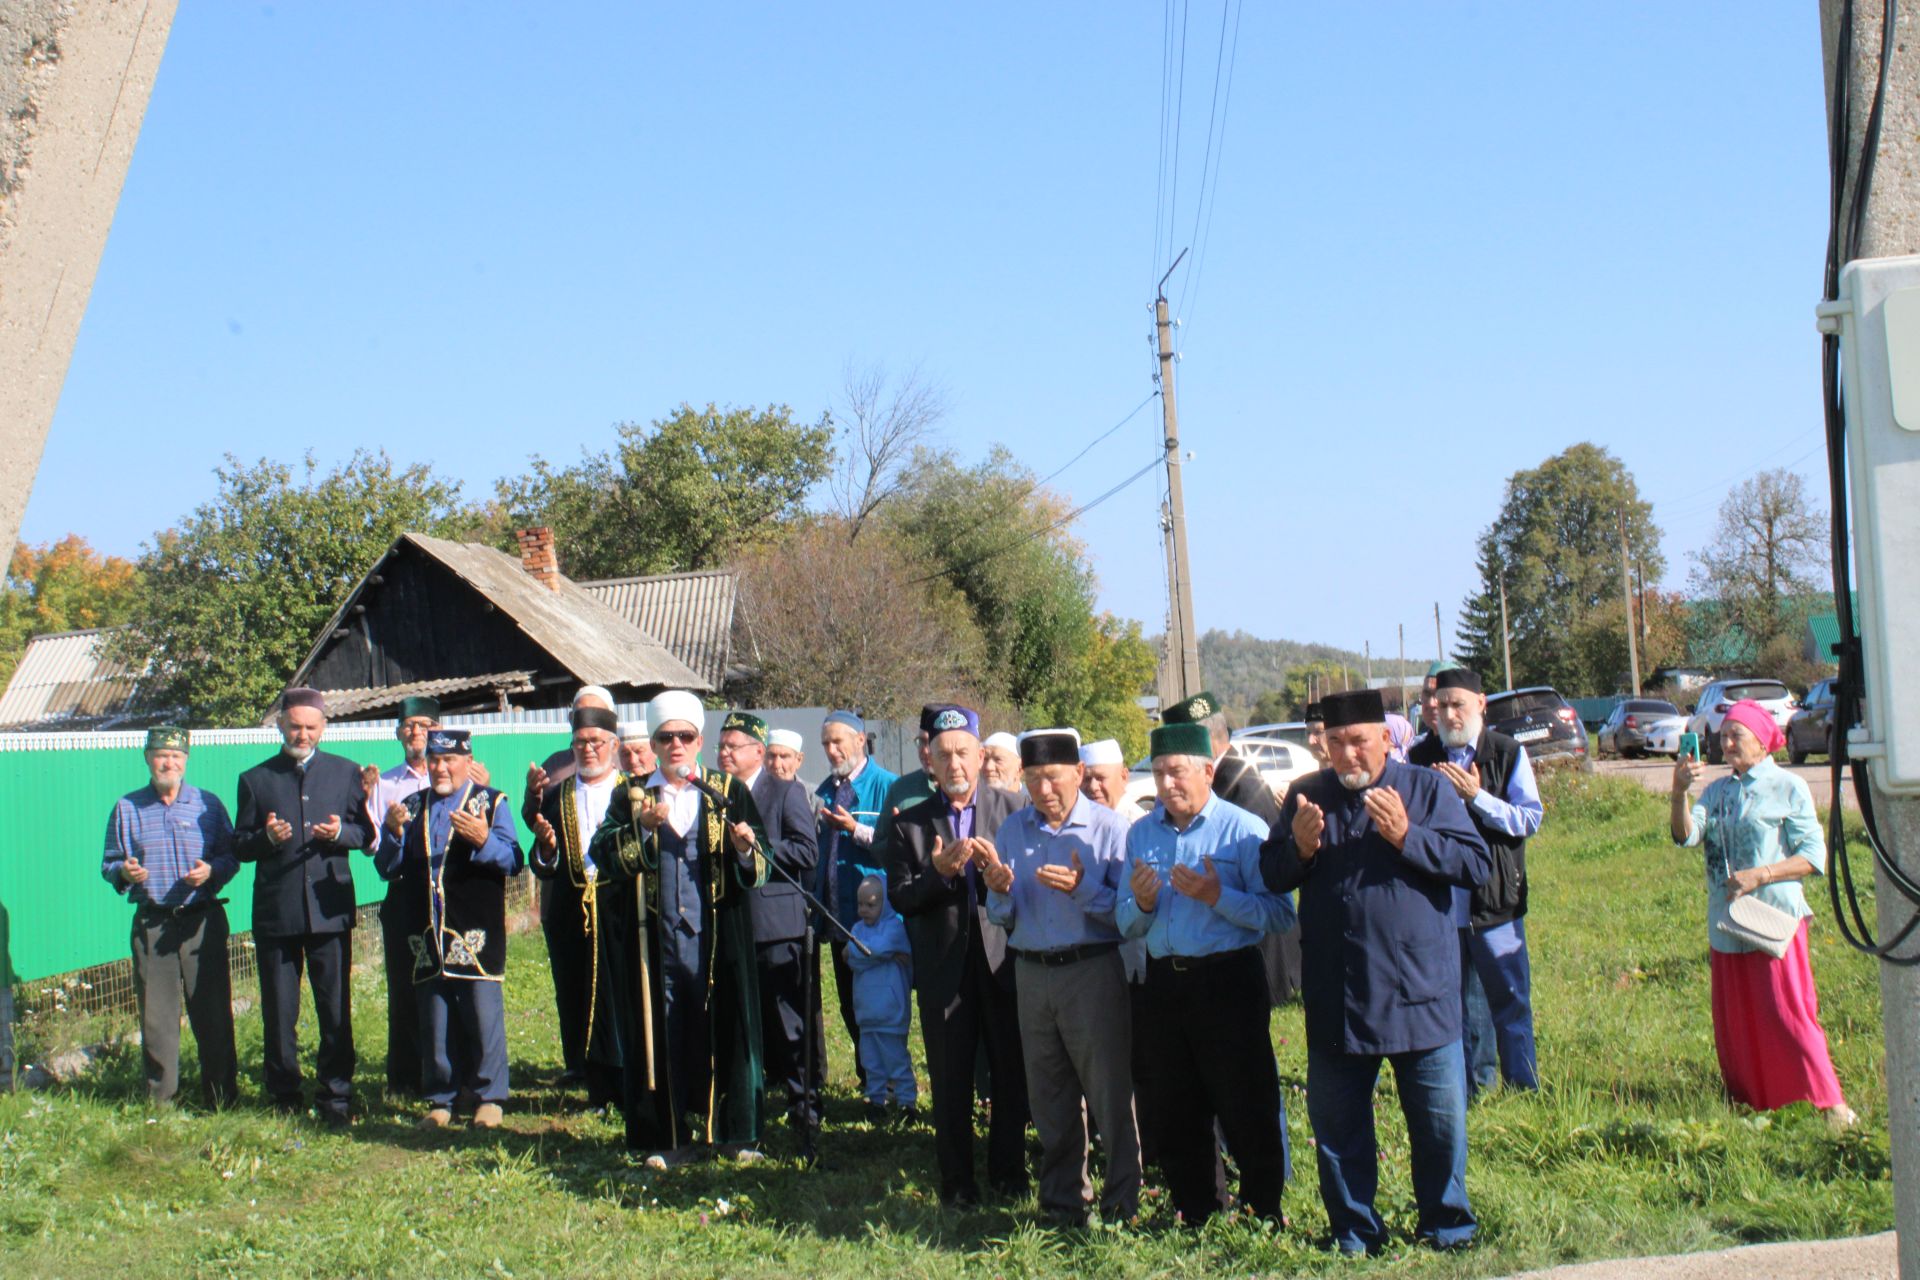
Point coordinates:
pixel 1630 1148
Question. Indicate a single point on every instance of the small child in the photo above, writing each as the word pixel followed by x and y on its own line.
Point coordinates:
pixel 880 984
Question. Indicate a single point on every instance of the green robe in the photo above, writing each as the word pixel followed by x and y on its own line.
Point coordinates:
pixel 628 856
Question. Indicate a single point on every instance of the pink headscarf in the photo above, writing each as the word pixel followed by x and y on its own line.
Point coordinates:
pixel 1400 730
pixel 1751 714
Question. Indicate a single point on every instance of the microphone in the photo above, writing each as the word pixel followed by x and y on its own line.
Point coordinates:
pixel 685 773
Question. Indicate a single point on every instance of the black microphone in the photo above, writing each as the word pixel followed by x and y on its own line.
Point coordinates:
pixel 686 773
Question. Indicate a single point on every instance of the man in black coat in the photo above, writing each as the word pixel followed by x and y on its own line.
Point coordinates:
pixel 779 914
pixel 962 970
pixel 299 815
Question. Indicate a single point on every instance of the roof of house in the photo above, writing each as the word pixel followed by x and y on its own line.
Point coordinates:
pixel 360 702
pixel 689 613
pixel 64 681
pixel 595 644
pixel 1824 629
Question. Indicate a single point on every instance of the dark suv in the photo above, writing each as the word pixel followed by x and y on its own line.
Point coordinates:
pixel 1810 732
pixel 1542 721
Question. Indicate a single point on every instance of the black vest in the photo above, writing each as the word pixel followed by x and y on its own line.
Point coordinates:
pixel 1504 895
pixel 471 940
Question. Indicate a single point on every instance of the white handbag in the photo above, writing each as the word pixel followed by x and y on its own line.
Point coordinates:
pixel 1758 924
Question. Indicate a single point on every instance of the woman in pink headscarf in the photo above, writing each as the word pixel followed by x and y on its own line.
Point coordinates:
pixel 1761 837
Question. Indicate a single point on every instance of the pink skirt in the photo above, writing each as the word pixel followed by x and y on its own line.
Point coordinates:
pixel 1766 1027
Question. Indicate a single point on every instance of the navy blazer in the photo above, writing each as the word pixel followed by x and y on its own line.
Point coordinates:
pixel 778 911
pixel 1380 953
pixel 305 885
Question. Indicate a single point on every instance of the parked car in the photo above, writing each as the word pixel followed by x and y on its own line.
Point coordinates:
pixel 1810 731
pixel 1278 761
pixel 1718 698
pixel 1642 726
pixel 1542 721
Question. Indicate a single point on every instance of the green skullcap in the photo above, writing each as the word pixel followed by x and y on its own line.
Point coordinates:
pixel 1192 711
pixel 1439 665
pixel 168 737
pixel 419 706
pixel 1181 740
pixel 746 722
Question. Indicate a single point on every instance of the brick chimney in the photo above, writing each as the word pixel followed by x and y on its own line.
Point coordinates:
pixel 537 555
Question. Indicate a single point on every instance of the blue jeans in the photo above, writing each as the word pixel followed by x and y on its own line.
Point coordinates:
pixel 1433 1096
pixel 1494 962
pixel 1476 1024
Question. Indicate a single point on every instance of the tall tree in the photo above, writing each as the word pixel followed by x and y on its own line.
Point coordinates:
pixel 1768 558
pixel 61 586
pixel 882 423
pixel 688 491
pixel 1556 540
pixel 231 600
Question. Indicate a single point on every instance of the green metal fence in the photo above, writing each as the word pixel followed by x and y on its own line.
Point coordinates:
pixel 57 915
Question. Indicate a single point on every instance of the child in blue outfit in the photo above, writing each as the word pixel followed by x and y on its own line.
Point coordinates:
pixel 880 985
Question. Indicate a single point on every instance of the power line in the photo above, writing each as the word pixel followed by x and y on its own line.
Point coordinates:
pixel 1135 412
pixel 1209 195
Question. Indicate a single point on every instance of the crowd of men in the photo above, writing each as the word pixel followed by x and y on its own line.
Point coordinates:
pixel 1100 970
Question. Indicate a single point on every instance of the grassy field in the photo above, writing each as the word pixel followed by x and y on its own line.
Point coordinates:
pixel 1631 1147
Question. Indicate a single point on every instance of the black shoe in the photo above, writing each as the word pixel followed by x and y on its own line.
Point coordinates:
pixel 571 1077
pixel 336 1118
pixel 905 1117
pixel 876 1114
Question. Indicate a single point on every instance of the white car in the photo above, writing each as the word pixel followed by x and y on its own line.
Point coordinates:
pixel 1710 712
pixel 1279 762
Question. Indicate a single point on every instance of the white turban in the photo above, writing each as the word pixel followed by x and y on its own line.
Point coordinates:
pixel 675 704
pixel 786 738
pixel 1105 751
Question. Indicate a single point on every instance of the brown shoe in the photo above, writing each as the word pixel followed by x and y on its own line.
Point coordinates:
pixel 487 1116
pixel 438 1118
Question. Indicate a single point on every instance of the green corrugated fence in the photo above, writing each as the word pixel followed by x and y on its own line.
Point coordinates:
pixel 56 912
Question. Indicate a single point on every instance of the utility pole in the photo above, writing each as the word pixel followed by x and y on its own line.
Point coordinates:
pixel 1367 648
pixel 1180 585
pixel 1506 642
pixel 1891 228
pixel 1626 593
pixel 1401 671
pixel 1439 645
pixel 1640 599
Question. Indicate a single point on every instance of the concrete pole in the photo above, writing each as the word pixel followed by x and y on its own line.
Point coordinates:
pixel 1626 594
pixel 1187 653
pixel 1506 640
pixel 1892 229
pixel 74 80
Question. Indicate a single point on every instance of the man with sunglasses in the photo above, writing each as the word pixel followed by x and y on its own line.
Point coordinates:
pixel 680 850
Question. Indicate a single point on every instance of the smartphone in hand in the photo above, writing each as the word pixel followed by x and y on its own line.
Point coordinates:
pixel 1690 746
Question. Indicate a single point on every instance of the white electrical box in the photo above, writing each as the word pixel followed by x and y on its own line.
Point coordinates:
pixel 1878 319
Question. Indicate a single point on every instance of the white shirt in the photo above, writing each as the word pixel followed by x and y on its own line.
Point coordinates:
pixel 682 800
pixel 590 806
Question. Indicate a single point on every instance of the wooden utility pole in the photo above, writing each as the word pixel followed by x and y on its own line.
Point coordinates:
pixel 1626 593
pixel 1367 649
pixel 1890 228
pixel 1183 640
pixel 1640 599
pixel 1439 645
pixel 1506 643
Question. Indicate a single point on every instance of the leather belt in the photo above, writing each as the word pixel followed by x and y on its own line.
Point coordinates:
pixel 185 911
pixel 1067 955
pixel 1193 964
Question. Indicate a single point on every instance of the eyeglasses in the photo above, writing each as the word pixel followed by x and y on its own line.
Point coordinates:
pixel 593 744
pixel 685 737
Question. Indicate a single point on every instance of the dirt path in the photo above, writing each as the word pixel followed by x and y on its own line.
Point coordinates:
pixel 1860 1258
pixel 1656 775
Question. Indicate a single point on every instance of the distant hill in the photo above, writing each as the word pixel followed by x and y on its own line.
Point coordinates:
pixel 1238 668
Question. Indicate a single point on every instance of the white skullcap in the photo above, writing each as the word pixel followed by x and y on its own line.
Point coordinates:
pixel 786 738
pixel 633 731
pixel 594 691
pixel 1005 741
pixel 675 704
pixel 1105 751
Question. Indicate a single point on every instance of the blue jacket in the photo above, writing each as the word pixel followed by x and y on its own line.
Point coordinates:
pixel 881 980
pixel 844 863
pixel 1379 950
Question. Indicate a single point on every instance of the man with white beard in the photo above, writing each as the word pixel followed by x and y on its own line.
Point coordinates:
pixel 1375 848
pixel 1491 773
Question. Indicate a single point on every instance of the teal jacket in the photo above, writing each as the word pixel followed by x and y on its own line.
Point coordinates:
pixel 845 862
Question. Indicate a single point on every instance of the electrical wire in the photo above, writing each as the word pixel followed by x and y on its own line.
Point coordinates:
pixel 1210 194
pixel 1846 222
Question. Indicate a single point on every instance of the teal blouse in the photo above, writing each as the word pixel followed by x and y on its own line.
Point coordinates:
pixel 1753 820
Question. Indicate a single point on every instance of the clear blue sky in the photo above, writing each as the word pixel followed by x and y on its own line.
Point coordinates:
pixel 1449 241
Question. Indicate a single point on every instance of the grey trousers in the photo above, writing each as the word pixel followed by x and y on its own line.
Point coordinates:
pixel 1076 1028
pixel 180 966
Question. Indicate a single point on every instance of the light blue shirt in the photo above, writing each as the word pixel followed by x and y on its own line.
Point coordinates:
pixel 1754 820
pixel 1518 813
pixel 1183 926
pixel 1038 918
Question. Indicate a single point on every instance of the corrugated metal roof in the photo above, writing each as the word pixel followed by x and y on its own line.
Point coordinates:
pixel 63 682
pixel 690 613
pixel 594 643
pixel 344 702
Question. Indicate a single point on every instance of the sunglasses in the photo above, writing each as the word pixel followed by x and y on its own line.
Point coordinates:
pixel 685 737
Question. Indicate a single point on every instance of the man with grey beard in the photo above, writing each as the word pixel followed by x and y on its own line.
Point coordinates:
pixel 1375 848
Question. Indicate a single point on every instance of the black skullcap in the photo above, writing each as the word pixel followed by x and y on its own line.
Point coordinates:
pixel 594 718
pixel 1316 711
pixel 1049 746
pixel 1458 678
pixel 1358 706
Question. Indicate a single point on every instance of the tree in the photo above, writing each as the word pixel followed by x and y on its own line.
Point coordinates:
pixel 826 621
pixel 689 491
pixel 61 586
pixel 882 425
pixel 1556 541
pixel 1768 559
pixel 230 602
pixel 1100 693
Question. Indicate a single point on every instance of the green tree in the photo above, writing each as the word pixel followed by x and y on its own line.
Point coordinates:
pixel 61 586
pixel 230 601
pixel 688 491
pixel 1768 561
pixel 1556 541
pixel 1100 696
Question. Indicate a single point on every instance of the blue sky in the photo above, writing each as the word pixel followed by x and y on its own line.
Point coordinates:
pixel 1448 240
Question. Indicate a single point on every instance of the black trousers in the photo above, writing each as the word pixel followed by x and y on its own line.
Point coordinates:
pixel 570 955
pixel 843 987
pixel 980 1013
pixel 326 958
pixel 1210 1057
pixel 403 1027
pixel 783 1027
